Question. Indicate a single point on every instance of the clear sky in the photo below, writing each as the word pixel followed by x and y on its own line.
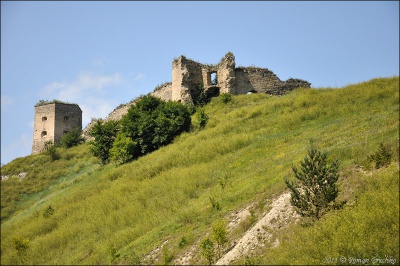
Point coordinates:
pixel 102 54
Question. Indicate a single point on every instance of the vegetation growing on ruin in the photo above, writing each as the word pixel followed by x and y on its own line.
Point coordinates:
pixel 45 102
pixel 160 86
pixel 156 208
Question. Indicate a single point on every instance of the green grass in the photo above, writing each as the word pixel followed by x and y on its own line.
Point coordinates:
pixel 250 143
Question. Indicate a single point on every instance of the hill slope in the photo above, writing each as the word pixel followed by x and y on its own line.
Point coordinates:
pixel 157 208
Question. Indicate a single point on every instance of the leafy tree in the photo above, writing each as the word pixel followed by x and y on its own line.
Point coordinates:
pixel 207 250
pixel 104 135
pixel 148 103
pixel 317 186
pixel 121 151
pixel 72 138
pixel 153 123
pixel 219 233
pixel 148 125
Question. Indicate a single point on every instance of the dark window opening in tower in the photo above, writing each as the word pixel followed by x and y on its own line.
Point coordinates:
pixel 44 133
pixel 44 118
pixel 66 118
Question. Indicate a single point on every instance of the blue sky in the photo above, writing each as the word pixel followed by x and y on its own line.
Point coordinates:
pixel 102 54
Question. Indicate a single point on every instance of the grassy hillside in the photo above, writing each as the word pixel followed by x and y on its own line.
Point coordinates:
pixel 73 211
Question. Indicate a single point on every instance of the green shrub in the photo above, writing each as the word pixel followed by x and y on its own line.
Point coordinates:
pixel 51 150
pixel 182 242
pixel 48 212
pixel 226 97
pixel 201 117
pixel 121 151
pixel 167 256
pixel 21 245
pixel 207 250
pixel 219 233
pixel 72 138
pixel 382 157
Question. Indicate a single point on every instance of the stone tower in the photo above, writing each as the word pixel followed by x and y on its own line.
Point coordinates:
pixel 52 121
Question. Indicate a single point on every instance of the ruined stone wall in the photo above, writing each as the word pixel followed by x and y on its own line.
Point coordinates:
pixel 115 115
pixel 52 121
pixel 226 74
pixel 186 75
pixel 291 84
pixel 164 92
pixel 255 79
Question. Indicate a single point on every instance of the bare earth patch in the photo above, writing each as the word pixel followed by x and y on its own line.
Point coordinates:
pixel 259 235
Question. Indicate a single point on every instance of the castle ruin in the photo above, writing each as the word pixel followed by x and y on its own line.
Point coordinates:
pixel 53 120
pixel 225 77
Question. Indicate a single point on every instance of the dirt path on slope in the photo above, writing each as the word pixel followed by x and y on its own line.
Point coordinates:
pixel 260 234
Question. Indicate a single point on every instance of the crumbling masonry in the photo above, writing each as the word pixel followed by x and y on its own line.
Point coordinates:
pixel 188 74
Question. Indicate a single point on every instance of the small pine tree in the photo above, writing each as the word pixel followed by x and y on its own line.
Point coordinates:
pixel 317 186
pixel 207 247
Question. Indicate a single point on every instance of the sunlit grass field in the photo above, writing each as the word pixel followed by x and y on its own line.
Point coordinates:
pixel 119 214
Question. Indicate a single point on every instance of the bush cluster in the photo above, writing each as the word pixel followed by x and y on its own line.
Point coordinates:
pixel 72 138
pixel 382 157
pixel 148 125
